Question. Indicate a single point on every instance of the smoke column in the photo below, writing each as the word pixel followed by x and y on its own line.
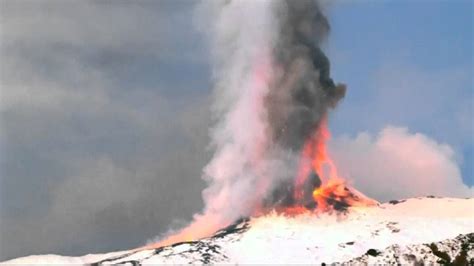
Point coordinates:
pixel 272 90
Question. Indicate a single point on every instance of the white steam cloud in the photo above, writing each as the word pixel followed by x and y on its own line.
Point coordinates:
pixel 241 35
pixel 398 164
pixel 242 41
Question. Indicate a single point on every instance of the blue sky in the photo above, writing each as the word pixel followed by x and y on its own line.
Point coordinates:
pixel 429 40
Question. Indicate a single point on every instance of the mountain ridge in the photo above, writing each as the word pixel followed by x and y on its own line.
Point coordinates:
pixel 410 231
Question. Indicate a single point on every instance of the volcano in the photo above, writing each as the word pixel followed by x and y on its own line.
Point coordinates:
pixel 274 194
pixel 412 231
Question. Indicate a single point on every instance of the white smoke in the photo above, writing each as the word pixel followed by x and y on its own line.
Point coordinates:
pixel 242 34
pixel 399 164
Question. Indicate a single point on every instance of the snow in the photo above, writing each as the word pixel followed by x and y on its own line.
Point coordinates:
pixel 60 260
pixel 308 238
pixel 449 252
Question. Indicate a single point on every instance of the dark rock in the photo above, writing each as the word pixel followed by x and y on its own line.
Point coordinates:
pixel 394 202
pixel 373 252
pixel 445 258
pixel 239 226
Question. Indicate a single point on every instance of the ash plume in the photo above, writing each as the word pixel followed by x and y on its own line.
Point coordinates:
pixel 272 90
pixel 303 89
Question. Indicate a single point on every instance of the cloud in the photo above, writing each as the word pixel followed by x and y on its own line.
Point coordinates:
pixel 104 124
pixel 398 164
pixel 401 90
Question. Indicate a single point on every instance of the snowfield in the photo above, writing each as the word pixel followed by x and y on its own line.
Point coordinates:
pixel 429 230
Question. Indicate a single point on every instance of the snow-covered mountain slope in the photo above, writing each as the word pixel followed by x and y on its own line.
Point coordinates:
pixel 425 230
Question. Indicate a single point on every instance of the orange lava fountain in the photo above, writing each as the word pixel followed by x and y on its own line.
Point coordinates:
pixel 332 189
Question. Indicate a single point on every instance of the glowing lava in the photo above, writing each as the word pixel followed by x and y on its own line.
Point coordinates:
pixel 328 191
